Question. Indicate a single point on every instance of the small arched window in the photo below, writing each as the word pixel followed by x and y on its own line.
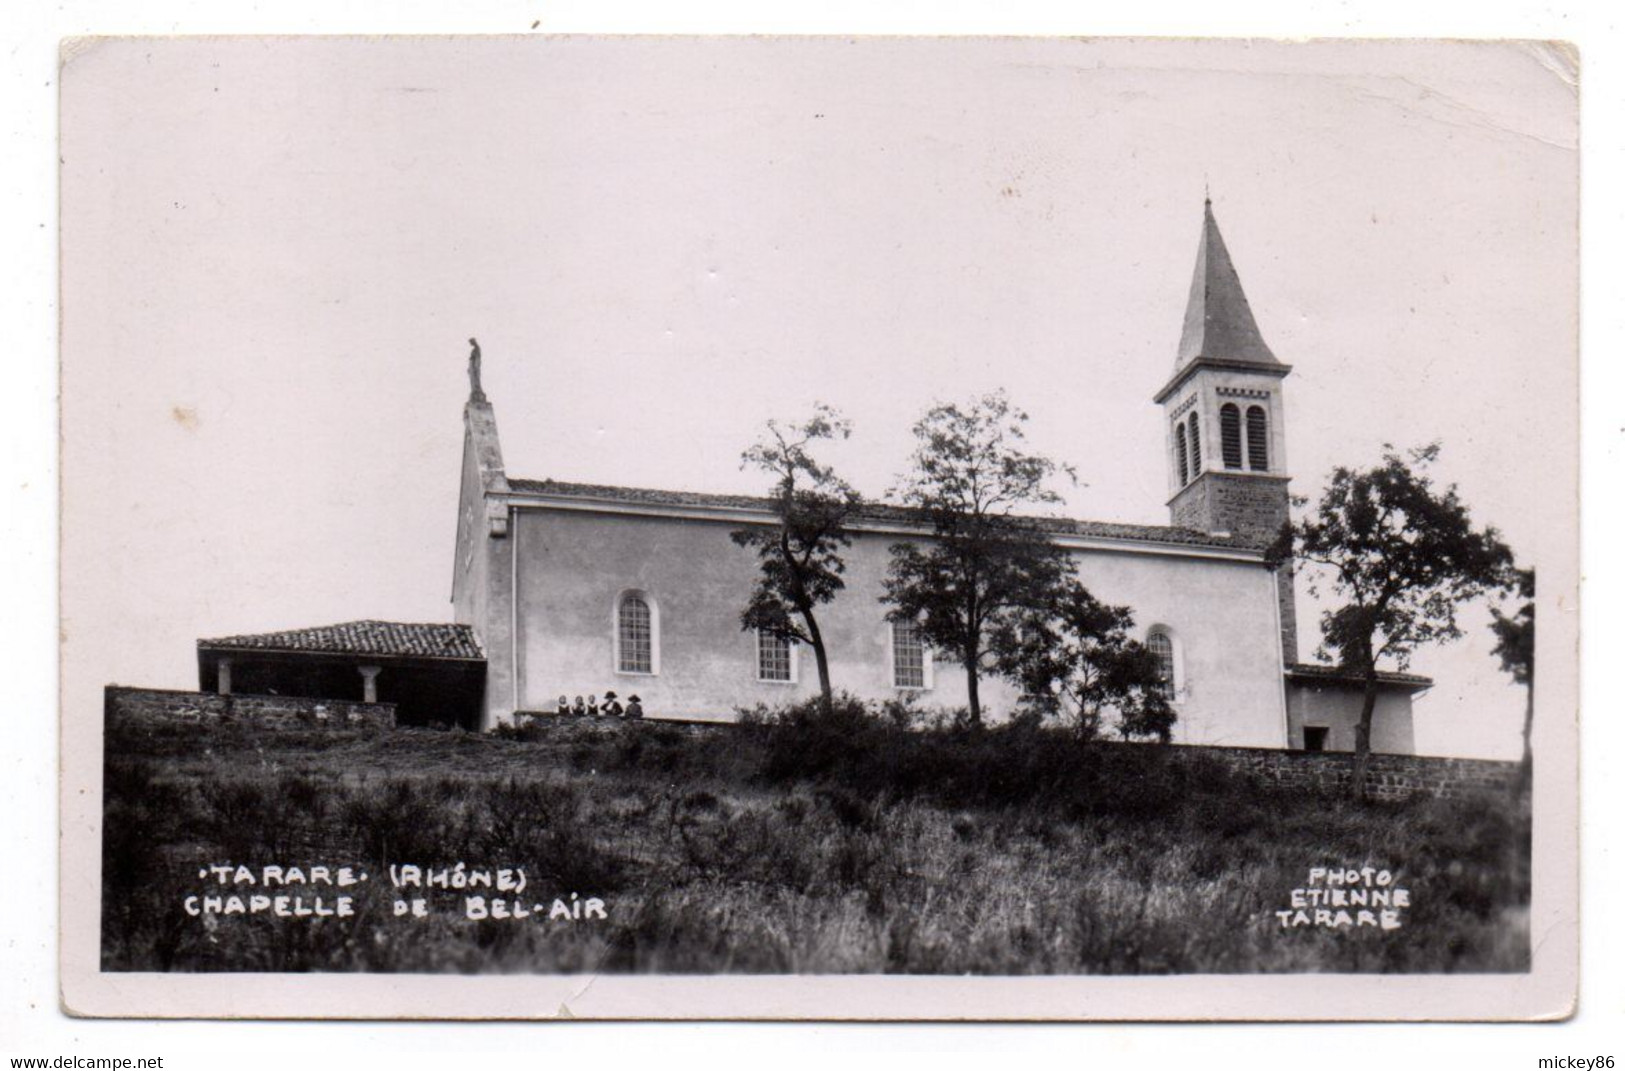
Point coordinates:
pixel 1161 646
pixel 1230 435
pixel 1258 450
pixel 636 634
pixel 1196 447
pixel 1181 455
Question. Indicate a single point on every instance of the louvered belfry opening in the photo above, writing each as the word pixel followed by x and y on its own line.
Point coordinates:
pixel 1258 451
pixel 1230 435
pixel 1182 455
pixel 1196 446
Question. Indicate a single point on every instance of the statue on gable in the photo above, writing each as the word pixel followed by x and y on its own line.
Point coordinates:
pixel 475 394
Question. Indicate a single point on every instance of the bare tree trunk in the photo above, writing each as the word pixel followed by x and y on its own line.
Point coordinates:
pixel 1362 734
pixel 972 693
pixel 820 656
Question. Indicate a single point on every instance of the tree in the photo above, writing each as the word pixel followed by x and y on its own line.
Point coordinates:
pixel 1080 658
pixel 985 564
pixel 1400 556
pixel 1515 646
pixel 800 553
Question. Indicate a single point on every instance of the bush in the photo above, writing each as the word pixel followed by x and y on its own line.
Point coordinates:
pixel 894 750
pixel 809 739
pixel 542 826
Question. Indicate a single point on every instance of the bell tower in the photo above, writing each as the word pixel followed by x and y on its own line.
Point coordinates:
pixel 1225 417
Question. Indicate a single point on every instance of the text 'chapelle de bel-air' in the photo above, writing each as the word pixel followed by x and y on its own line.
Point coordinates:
pixel 413 891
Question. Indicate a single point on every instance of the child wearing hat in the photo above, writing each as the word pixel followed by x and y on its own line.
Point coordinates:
pixel 612 707
pixel 634 707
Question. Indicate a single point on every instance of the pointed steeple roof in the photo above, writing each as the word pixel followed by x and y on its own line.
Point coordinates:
pixel 1219 325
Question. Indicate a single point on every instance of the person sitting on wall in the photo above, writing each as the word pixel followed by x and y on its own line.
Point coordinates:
pixel 634 707
pixel 564 704
pixel 612 706
pixel 592 705
pixel 581 707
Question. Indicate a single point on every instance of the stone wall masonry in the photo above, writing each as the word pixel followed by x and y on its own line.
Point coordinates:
pixel 1249 505
pixel 1390 777
pixel 151 705
pixel 572 726
pixel 1286 597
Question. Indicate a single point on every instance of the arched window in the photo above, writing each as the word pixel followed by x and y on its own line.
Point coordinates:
pixel 1196 447
pixel 1161 645
pixel 1180 455
pixel 1258 450
pixel 1230 435
pixel 910 662
pixel 637 634
pixel 775 657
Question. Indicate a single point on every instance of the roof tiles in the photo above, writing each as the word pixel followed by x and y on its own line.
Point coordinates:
pixel 880 512
pixel 1315 671
pixel 391 638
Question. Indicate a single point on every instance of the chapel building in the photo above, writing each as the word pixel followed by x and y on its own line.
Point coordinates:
pixel 574 589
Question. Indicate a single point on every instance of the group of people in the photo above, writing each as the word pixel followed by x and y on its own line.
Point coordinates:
pixel 611 707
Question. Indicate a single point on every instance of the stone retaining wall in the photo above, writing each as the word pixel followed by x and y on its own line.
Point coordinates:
pixel 1391 777
pixel 262 711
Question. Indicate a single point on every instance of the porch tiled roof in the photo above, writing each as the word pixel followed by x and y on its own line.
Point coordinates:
pixel 392 638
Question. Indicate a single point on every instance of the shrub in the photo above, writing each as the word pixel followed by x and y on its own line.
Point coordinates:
pixel 903 712
pixel 541 826
pixel 892 751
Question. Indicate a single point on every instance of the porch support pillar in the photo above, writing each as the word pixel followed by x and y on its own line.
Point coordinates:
pixel 369 683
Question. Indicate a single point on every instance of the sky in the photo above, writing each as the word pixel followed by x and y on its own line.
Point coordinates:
pixel 274 251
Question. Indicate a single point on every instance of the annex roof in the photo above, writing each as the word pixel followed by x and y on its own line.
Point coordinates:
pixel 873 512
pixel 389 638
pixel 1314 671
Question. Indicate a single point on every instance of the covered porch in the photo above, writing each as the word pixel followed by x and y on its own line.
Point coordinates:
pixel 433 673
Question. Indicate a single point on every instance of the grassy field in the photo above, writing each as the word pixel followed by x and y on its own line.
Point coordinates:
pixel 846 846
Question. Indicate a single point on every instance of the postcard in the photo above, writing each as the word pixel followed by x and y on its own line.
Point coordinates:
pixel 819 528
